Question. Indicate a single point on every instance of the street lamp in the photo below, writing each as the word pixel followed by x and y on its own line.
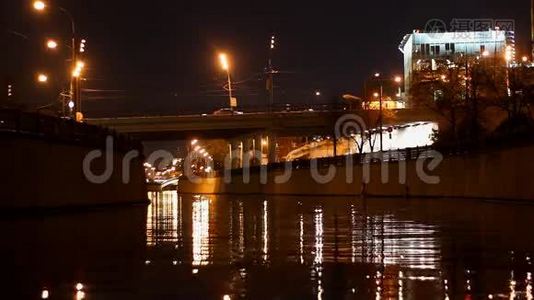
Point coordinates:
pixel 51 44
pixel 226 67
pixel 78 69
pixel 74 82
pixel 42 78
pixel 39 5
pixel 396 79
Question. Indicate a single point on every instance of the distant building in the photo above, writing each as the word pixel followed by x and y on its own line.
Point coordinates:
pixel 433 51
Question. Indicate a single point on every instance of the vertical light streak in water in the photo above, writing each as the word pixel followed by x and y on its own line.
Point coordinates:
pixel 401 285
pixel 353 225
pixel 153 197
pixel 318 260
pixel 162 218
pixel 301 238
pixel 528 288
pixel 172 210
pixel 513 284
pixel 378 282
pixel 265 231
pixel 201 225
pixel 446 287
pixel 241 230
pixel 180 217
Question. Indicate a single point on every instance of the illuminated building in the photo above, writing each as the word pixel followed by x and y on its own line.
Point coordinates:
pixel 432 52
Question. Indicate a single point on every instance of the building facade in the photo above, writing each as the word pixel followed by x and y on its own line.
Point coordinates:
pixel 426 53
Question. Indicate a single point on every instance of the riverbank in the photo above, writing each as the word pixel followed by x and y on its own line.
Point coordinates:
pixel 500 174
pixel 43 166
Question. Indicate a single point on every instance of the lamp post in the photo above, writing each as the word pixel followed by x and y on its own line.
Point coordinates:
pixel 225 65
pixel 377 77
pixel 40 6
pixel 42 78
pixel 51 44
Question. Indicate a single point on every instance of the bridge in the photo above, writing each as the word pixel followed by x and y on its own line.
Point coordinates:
pixel 274 135
pixel 281 124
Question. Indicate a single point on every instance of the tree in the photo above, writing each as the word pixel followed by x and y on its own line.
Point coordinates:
pixel 442 92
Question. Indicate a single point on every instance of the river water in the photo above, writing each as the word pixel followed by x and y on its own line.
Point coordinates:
pixel 258 247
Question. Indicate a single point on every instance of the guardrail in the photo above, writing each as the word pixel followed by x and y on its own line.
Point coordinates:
pixel 377 157
pixel 63 130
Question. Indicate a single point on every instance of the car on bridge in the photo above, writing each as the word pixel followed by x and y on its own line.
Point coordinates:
pixel 226 111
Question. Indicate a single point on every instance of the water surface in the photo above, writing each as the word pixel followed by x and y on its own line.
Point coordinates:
pixel 258 247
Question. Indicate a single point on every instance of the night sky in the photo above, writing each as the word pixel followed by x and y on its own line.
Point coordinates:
pixel 160 57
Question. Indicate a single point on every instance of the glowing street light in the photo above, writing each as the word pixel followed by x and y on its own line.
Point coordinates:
pixel 273 42
pixel 45 294
pixel 42 78
pixel 82 45
pixel 398 79
pixel 71 105
pixel 39 5
pixel 51 44
pixel 377 75
pixel 508 55
pixel 317 93
pixel 376 95
pixel 524 59
pixel 78 69
pixel 486 53
pixel 224 62
pixel 226 67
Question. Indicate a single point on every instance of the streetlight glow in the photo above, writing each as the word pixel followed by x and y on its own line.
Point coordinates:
pixel 508 55
pixel 226 66
pixel 42 78
pixel 78 69
pixel 39 5
pixel 398 79
pixel 317 93
pixel 377 75
pixel 224 62
pixel 51 44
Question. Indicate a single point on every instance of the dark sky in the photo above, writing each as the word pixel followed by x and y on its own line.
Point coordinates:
pixel 161 56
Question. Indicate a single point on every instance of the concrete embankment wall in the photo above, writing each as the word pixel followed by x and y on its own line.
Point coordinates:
pixel 498 174
pixel 41 173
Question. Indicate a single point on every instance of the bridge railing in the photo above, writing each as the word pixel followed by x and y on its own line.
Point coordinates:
pixel 357 159
pixel 63 130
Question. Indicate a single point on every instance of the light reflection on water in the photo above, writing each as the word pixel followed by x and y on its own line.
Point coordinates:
pixel 274 247
pixel 350 247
